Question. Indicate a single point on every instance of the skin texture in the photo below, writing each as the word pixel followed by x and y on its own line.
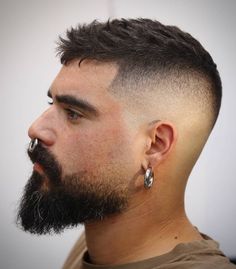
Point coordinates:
pixel 117 144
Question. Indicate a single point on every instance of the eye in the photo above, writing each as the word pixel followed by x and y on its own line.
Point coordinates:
pixel 73 115
pixel 50 101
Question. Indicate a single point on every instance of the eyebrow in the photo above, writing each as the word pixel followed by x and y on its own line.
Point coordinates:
pixel 76 102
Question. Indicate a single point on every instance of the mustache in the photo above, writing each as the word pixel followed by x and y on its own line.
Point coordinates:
pixel 47 160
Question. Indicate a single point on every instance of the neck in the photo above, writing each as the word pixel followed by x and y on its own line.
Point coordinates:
pixel 145 230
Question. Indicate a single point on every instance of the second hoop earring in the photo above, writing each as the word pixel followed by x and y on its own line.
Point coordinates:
pixel 148 178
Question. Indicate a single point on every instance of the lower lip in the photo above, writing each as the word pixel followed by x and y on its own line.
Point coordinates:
pixel 37 167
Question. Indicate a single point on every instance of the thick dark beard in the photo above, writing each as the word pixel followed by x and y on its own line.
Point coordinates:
pixel 69 201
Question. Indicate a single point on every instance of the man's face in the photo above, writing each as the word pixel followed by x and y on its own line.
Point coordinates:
pixel 88 153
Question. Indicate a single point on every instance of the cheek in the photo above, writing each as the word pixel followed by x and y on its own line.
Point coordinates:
pixel 89 151
pixel 99 148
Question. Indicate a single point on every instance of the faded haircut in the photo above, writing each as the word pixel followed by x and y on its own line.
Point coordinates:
pixel 143 48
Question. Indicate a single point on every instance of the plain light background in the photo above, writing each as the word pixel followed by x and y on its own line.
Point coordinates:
pixel 29 30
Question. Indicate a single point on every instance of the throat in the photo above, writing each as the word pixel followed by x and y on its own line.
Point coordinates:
pixel 109 242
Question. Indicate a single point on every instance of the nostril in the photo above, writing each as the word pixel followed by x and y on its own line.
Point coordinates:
pixel 33 144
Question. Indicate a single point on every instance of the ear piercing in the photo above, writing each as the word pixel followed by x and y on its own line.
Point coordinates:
pixel 148 178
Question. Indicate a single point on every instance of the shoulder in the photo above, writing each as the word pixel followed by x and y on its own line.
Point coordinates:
pixel 208 265
pixel 223 264
pixel 203 254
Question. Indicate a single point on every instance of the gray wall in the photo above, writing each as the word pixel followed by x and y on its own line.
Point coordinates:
pixel 29 30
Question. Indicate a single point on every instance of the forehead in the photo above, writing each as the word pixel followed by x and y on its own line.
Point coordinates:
pixel 90 81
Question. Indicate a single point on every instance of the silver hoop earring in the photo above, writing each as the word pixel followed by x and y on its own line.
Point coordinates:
pixel 32 145
pixel 148 178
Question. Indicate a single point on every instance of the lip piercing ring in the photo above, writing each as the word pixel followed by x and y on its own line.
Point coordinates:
pixel 32 145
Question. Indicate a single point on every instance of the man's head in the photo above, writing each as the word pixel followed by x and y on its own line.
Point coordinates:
pixel 131 94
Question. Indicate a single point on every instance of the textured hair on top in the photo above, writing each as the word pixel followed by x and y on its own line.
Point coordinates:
pixel 143 45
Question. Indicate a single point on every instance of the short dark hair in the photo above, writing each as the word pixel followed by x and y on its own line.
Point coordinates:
pixel 142 44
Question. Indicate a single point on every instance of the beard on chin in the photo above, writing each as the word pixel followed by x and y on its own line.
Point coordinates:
pixel 69 200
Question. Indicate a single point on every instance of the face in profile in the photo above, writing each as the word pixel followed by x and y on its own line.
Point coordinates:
pixel 85 160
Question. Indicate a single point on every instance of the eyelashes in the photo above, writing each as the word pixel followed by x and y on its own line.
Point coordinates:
pixel 71 114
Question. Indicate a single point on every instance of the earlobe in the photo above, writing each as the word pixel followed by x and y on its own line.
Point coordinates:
pixel 162 138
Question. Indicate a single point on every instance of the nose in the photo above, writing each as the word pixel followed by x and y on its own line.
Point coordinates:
pixel 43 129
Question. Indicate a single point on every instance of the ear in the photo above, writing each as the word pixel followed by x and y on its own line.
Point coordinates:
pixel 162 136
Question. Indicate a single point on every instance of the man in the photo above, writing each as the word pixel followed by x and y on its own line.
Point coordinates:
pixel 131 110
